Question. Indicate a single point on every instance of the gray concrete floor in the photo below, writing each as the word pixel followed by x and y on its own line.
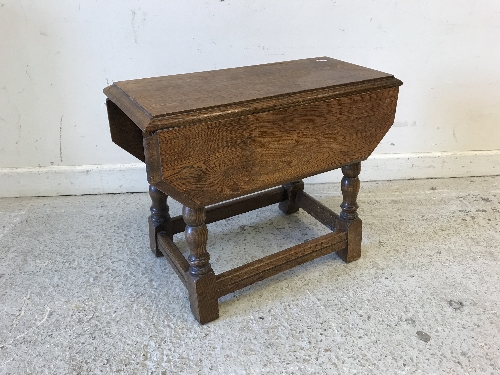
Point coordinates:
pixel 81 293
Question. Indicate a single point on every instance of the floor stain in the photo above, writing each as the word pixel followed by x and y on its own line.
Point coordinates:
pixel 423 336
pixel 456 305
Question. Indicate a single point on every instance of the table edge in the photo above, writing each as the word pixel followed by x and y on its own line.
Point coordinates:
pixel 150 124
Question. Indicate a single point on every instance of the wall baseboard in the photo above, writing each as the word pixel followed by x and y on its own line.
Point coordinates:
pixel 382 167
pixel 73 180
pixel 126 178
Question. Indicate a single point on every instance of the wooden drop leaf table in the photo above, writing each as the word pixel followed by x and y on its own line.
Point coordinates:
pixel 229 141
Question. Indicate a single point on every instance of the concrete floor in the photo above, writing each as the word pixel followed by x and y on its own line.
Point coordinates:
pixel 81 293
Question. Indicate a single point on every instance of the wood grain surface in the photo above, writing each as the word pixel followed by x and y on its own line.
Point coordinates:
pixel 159 220
pixel 209 163
pixel 173 256
pixel 215 136
pixel 290 205
pixel 271 265
pixel 124 132
pixel 348 219
pixel 184 99
pixel 235 207
pixel 317 210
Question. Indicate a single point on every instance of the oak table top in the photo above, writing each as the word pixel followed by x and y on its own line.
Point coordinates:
pixel 169 101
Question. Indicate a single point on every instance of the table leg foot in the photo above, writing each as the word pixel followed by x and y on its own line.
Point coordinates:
pixel 290 206
pixel 159 220
pixel 201 279
pixel 348 219
pixel 203 297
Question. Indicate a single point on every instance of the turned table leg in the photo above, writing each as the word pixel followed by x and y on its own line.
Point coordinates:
pixel 201 278
pixel 349 220
pixel 159 220
pixel 290 206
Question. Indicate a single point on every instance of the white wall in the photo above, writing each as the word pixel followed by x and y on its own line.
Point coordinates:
pixel 56 57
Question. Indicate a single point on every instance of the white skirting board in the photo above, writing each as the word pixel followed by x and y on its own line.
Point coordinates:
pixel 123 178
